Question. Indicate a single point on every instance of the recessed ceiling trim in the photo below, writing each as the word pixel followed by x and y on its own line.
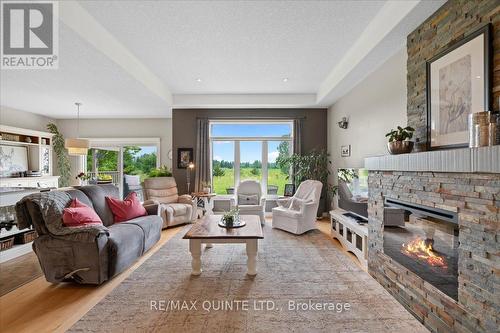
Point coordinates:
pixel 389 16
pixel 185 101
pixel 77 18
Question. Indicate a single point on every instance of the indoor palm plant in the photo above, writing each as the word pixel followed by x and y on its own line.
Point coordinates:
pixel 315 165
pixel 399 140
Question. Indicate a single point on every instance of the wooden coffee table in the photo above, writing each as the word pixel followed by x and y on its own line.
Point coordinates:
pixel 208 231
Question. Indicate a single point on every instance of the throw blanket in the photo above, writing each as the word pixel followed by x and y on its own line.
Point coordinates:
pixel 51 206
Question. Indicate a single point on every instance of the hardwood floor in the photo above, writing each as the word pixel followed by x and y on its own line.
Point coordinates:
pixel 40 306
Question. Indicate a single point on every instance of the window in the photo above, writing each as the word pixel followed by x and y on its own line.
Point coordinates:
pixel 139 160
pixel 250 150
pixel 223 167
pixel 276 174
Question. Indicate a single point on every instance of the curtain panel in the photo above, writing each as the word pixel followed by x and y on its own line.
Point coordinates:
pixel 297 142
pixel 297 136
pixel 202 161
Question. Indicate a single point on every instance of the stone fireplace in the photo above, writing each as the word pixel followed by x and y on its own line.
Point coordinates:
pixel 443 264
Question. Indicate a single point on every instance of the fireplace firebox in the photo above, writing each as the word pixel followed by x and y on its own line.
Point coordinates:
pixel 427 246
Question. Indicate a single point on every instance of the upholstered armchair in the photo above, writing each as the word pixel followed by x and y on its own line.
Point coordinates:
pixel 298 213
pixel 161 193
pixel 249 199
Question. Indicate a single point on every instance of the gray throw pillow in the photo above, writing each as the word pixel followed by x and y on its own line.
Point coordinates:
pixel 248 199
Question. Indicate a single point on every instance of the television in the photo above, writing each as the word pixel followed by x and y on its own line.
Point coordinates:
pixel 353 190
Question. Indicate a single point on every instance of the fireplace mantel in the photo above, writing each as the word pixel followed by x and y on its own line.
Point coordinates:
pixel 466 160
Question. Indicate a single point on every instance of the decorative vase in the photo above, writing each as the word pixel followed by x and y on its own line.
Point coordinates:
pixel 206 190
pixel 400 147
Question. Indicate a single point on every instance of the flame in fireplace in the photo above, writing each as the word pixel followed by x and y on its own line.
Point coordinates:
pixel 420 249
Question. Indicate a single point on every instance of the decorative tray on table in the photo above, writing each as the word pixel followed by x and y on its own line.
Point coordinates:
pixel 237 223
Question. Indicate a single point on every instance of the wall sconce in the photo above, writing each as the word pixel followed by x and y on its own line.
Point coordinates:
pixel 344 123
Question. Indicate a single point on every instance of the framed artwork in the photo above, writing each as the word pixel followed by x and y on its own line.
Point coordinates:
pixel 458 84
pixel 184 157
pixel 289 190
pixel 345 151
pixel 13 160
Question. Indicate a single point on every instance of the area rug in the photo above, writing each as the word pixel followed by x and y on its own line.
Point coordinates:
pixel 18 271
pixel 304 284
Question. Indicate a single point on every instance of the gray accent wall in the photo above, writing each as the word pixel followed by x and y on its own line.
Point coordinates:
pixel 184 129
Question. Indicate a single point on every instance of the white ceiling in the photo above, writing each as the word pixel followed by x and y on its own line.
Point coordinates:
pixel 141 58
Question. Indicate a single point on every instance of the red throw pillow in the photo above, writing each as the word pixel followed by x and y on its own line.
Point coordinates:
pixel 127 209
pixel 79 215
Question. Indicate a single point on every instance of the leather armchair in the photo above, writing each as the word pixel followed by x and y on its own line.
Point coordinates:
pixel 161 194
pixel 298 213
pixel 249 199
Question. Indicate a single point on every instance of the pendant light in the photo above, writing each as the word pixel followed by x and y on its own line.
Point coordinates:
pixel 77 146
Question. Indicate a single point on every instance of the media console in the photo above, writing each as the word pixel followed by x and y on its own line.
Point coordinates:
pixel 351 230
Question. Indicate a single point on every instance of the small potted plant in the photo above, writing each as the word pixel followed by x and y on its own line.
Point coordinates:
pixel 399 140
pixel 229 218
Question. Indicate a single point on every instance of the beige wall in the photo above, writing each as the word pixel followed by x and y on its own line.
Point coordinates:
pixel 123 128
pixel 23 119
pixel 373 107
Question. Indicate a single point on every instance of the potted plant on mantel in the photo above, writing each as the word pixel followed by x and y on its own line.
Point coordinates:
pixel 399 140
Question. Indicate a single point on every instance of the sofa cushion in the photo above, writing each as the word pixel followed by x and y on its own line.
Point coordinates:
pixel 151 226
pixel 125 246
pixel 77 194
pixel 97 194
pixel 124 210
pixel 79 214
pixel 244 199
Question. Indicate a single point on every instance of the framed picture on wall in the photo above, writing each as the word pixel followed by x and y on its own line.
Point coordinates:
pixel 345 151
pixel 458 84
pixel 184 157
pixel 289 190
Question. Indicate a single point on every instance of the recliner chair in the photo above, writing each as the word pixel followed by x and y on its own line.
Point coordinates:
pixel 161 193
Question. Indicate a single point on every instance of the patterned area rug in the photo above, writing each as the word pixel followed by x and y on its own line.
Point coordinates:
pixel 304 284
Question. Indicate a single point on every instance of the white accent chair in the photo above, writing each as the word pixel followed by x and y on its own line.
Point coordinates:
pixel 249 199
pixel 161 194
pixel 298 213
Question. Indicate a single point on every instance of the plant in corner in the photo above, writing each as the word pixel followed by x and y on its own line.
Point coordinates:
pixel 314 165
pixel 399 140
pixel 63 165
